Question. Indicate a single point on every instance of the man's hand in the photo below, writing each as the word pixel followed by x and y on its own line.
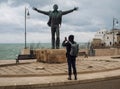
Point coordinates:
pixel 65 38
pixel 76 8
pixel 34 8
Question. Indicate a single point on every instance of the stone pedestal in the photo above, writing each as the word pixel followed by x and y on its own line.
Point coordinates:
pixel 51 55
pixel 25 51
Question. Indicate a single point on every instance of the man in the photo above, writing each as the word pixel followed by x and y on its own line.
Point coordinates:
pixel 71 59
pixel 55 19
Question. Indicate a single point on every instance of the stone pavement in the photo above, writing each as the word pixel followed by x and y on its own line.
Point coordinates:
pixel 33 68
pixel 92 80
pixel 32 75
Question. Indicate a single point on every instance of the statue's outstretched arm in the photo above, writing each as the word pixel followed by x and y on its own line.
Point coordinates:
pixel 40 11
pixel 69 11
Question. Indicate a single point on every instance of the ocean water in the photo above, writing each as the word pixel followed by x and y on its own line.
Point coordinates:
pixel 12 50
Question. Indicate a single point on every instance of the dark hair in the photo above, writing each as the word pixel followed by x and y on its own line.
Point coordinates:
pixel 71 37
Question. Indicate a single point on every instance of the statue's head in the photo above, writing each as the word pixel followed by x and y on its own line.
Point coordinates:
pixel 55 6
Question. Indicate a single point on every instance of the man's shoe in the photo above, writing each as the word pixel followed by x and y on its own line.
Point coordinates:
pixel 69 78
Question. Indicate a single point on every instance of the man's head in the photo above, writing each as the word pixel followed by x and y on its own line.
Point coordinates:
pixel 55 6
pixel 71 37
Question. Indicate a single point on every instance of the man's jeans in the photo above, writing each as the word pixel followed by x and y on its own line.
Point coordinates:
pixel 71 64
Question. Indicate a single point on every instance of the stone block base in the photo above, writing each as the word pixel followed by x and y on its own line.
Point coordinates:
pixel 51 55
pixel 25 51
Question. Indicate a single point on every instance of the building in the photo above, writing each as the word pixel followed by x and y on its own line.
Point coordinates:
pixel 105 38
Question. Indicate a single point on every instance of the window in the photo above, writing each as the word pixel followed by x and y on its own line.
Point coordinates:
pixel 110 43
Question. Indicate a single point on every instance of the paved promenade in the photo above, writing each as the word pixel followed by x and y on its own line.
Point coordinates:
pixel 32 75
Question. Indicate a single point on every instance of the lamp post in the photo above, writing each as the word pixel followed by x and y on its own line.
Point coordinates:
pixel 115 21
pixel 26 14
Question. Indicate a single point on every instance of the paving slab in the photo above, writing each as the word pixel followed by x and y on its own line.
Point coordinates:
pixel 8 68
pixel 33 75
pixel 50 81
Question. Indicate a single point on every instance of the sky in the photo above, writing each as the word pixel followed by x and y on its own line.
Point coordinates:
pixel 91 16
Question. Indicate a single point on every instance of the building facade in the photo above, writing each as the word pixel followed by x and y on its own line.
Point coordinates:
pixel 107 38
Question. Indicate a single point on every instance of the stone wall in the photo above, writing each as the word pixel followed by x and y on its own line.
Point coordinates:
pixel 59 55
pixel 51 55
pixel 107 52
pixel 104 52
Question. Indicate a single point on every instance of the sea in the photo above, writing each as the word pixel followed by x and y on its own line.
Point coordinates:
pixel 10 51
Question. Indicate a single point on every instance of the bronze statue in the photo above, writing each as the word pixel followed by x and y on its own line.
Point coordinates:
pixel 55 19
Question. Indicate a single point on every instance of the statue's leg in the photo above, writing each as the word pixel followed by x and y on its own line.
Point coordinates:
pixel 53 37
pixel 57 38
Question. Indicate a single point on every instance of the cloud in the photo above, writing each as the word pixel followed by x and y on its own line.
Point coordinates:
pixel 11 18
pixel 11 38
pixel 91 16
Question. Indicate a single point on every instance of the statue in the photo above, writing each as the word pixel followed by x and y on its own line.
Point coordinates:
pixel 55 19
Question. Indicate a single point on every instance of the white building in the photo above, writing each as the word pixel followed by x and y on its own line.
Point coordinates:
pixel 101 35
pixel 107 37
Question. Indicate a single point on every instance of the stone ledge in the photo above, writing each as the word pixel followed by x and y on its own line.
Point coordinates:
pixel 55 81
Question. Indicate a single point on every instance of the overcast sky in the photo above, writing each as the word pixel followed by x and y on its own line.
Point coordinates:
pixel 91 17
